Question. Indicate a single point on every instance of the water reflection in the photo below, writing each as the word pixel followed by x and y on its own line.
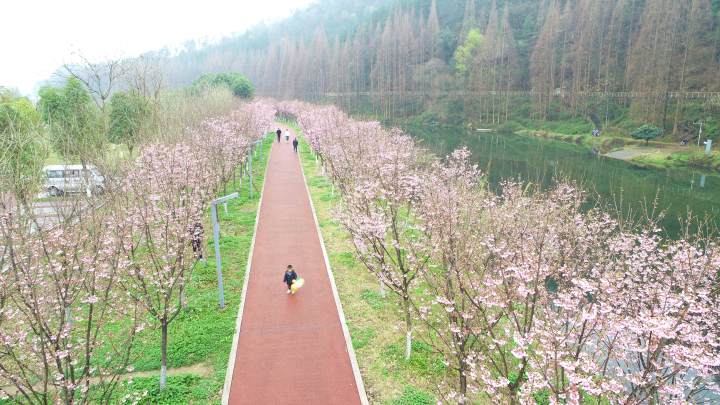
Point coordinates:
pixel 630 188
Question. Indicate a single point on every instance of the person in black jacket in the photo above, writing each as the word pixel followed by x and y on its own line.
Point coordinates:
pixel 279 132
pixel 290 276
pixel 295 144
pixel 196 239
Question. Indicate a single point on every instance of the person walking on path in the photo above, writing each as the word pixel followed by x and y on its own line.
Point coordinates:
pixel 295 144
pixel 287 135
pixel 278 132
pixel 196 238
pixel 260 371
pixel 289 277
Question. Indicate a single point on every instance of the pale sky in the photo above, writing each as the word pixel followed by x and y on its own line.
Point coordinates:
pixel 38 36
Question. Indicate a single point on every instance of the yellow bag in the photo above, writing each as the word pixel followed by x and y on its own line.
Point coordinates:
pixel 296 285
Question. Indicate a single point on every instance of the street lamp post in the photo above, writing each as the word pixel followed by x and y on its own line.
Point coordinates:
pixel 216 239
pixel 257 145
pixel 250 172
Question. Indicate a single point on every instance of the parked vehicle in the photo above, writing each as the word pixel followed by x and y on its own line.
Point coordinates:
pixel 62 179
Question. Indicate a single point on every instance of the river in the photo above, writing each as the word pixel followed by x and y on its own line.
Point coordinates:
pixel 610 181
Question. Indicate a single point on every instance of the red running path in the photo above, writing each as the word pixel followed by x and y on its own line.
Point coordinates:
pixel 291 349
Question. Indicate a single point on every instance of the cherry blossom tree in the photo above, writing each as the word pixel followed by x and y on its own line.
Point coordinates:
pixel 65 324
pixel 604 313
pixel 452 211
pixel 167 191
pixel 379 213
pixel 72 292
pixel 663 344
pixel 528 293
pixel 376 172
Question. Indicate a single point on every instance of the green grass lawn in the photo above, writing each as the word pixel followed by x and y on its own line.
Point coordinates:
pixel 661 155
pixel 684 159
pixel 202 334
pixel 604 143
pixel 374 322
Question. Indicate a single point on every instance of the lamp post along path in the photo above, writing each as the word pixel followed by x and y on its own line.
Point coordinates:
pixel 216 223
pixel 216 239
pixel 250 172
pixel 254 148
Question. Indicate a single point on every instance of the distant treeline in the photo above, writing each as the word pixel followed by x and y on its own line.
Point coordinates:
pixel 402 57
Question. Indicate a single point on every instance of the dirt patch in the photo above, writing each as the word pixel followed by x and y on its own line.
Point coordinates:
pixel 200 369
pixel 627 153
pixel 633 152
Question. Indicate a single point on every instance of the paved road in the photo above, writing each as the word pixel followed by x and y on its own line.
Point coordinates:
pixel 291 349
pixel 49 213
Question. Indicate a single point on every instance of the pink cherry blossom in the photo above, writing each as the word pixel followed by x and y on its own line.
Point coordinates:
pixel 525 291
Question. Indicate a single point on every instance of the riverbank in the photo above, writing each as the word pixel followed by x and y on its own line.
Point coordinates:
pixel 628 187
pixel 657 155
pixel 666 159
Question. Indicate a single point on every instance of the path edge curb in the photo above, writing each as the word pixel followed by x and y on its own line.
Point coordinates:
pixel 343 323
pixel 238 323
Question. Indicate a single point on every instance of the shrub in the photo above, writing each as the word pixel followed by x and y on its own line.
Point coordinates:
pixel 508 128
pixel 700 160
pixel 235 82
pixel 242 88
pixel 646 133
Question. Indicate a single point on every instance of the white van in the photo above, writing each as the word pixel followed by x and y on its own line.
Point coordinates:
pixel 61 179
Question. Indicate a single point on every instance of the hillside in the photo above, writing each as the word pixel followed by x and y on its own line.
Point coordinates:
pixel 609 63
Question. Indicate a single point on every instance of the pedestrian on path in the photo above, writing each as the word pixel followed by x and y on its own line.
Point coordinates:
pixel 287 135
pixel 290 276
pixel 196 238
pixel 278 132
pixel 295 144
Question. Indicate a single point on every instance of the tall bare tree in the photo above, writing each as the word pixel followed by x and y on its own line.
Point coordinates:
pixel 100 78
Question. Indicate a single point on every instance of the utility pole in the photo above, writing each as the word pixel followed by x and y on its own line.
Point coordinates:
pixel 699 132
pixel 256 147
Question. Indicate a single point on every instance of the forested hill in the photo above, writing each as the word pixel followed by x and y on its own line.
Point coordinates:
pixel 655 61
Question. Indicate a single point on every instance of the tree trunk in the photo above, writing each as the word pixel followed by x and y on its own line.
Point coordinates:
pixel 408 329
pixel 86 176
pixel 679 102
pixel 163 349
pixel 463 381
pixel 461 356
